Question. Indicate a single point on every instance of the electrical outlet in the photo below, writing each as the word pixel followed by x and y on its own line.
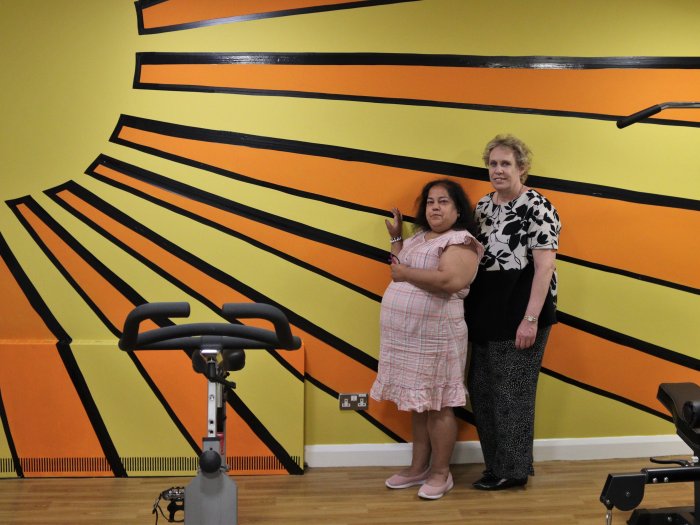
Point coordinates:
pixel 353 401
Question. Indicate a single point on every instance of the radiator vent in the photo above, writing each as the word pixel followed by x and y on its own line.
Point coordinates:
pixel 64 465
pixel 140 464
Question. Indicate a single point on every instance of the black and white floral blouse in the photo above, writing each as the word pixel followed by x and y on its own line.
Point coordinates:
pixel 509 232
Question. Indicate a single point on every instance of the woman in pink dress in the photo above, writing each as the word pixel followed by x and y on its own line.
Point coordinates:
pixel 423 333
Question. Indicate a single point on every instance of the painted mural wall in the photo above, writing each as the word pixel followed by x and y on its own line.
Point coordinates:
pixel 200 151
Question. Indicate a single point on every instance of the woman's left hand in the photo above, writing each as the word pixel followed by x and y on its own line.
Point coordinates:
pixel 525 335
pixel 397 272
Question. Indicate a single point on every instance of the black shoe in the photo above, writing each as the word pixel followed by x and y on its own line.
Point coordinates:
pixel 500 484
pixel 487 478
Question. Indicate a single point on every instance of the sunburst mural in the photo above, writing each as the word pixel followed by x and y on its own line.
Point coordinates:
pixel 212 153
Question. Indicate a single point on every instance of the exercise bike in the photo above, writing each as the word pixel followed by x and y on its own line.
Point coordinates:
pixel 216 349
pixel 625 491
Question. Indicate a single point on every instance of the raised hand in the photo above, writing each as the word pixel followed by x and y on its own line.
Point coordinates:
pixel 395 226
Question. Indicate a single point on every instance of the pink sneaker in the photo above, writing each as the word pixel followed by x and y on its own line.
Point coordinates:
pixel 436 492
pixel 397 481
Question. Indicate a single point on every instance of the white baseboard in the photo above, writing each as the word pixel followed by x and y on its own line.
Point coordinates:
pixel 572 449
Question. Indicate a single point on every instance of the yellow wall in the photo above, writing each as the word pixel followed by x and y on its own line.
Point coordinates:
pixel 69 67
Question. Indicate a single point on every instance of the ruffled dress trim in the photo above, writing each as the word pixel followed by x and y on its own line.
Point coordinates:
pixel 412 400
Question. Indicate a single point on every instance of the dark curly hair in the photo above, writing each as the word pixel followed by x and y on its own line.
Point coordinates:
pixel 465 212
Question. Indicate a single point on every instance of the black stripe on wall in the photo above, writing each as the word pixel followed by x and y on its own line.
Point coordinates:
pixel 15 464
pixel 625 273
pixel 605 393
pixel 355 155
pixel 263 433
pixel 162 399
pixel 143 4
pixel 628 341
pixel 419 59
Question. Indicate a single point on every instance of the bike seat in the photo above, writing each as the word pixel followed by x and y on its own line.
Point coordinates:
pixel 683 402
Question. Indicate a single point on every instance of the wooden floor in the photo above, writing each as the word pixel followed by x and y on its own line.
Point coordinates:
pixel 561 493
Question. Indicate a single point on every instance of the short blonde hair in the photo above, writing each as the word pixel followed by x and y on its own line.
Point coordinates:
pixel 522 154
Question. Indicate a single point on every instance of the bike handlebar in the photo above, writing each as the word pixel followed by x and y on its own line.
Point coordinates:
pixel 194 335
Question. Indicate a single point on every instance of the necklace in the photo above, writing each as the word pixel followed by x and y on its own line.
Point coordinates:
pixel 497 198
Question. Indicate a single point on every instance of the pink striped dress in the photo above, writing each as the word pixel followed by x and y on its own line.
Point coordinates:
pixel 423 349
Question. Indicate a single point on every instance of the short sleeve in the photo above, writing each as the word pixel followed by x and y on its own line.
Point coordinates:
pixel 465 238
pixel 544 225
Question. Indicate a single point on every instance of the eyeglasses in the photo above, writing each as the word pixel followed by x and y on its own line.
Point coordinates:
pixel 394 259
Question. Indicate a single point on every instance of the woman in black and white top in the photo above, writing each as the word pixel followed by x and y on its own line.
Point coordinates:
pixel 509 311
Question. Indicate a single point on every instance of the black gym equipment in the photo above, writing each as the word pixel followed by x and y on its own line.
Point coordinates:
pixel 217 349
pixel 653 110
pixel 625 491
